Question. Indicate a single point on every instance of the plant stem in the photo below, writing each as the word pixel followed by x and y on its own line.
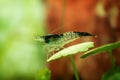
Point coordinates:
pixel 74 68
pixel 111 58
pixel 62 29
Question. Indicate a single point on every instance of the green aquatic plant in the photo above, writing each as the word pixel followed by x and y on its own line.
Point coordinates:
pixel 104 48
pixel 43 74
pixel 82 47
pixel 70 51
pixel 114 72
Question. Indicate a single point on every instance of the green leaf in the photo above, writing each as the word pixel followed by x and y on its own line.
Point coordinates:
pixel 43 74
pixel 82 47
pixel 103 48
pixel 113 74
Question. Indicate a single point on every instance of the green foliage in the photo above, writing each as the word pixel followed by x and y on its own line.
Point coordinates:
pixel 113 74
pixel 82 47
pixel 102 48
pixel 19 54
pixel 43 74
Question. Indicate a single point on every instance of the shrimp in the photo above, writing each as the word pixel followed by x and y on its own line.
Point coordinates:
pixel 55 42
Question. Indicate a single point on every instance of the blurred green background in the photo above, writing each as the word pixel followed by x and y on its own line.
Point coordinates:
pixel 21 57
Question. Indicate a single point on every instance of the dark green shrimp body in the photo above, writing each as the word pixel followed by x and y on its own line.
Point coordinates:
pixel 53 37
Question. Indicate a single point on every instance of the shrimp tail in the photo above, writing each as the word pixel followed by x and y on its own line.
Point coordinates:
pixel 40 38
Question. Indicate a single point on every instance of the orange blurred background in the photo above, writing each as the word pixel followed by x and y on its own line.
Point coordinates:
pixel 93 16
